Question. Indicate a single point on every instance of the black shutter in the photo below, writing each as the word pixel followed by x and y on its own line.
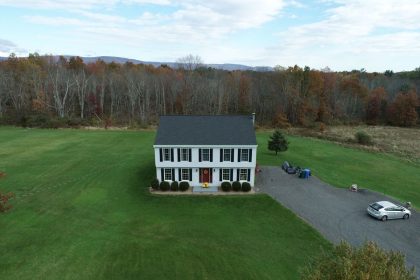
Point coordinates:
pixel 189 155
pixel 211 175
pixel 162 176
pixel 249 175
pixel 199 155
pixel 190 174
pixel 160 154
pixel 179 174
pixel 173 174
pixel 250 155
pixel 179 154
pixel 231 175
pixel 172 154
pixel 237 174
pixel 239 155
pixel 220 174
pixel 221 155
pixel 232 155
pixel 211 155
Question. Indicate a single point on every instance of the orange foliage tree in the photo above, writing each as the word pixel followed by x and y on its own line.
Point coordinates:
pixel 402 111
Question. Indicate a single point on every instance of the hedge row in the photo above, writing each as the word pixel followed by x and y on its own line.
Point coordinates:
pixel 166 186
pixel 183 186
pixel 236 186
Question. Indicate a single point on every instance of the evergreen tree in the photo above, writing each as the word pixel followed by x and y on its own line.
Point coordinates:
pixel 277 142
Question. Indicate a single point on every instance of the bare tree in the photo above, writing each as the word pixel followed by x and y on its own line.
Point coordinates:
pixel 61 82
pixel 189 62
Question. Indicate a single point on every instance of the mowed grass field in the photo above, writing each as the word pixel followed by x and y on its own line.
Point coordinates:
pixel 342 166
pixel 82 211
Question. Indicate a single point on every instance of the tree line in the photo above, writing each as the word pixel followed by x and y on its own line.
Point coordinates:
pixel 40 88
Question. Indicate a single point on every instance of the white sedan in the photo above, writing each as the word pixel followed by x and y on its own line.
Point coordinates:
pixel 384 210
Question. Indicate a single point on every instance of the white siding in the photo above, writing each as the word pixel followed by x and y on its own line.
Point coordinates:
pixel 216 165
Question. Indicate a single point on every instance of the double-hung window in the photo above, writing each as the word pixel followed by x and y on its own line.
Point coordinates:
pixel 243 174
pixel 167 154
pixel 226 155
pixel 185 174
pixel 205 154
pixel 226 174
pixel 185 154
pixel 168 174
pixel 244 154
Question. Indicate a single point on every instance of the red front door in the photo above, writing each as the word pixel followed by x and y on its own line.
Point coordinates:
pixel 205 175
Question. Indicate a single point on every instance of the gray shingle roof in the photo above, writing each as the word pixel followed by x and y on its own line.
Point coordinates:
pixel 205 130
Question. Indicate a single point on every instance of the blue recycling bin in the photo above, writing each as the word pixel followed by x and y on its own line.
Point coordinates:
pixel 305 173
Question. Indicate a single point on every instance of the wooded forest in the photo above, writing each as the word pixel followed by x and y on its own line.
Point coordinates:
pixel 37 90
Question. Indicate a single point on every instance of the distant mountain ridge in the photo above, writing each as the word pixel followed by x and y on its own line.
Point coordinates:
pixel 122 60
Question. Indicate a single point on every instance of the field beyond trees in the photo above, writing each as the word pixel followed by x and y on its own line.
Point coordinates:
pixel 82 211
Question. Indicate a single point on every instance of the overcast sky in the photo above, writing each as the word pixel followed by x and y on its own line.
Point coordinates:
pixel 343 34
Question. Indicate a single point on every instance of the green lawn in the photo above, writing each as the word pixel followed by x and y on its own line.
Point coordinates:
pixel 82 211
pixel 342 166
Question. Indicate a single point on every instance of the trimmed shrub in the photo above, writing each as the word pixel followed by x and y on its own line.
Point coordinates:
pixel 183 186
pixel 155 184
pixel 226 186
pixel 363 138
pixel 164 186
pixel 236 186
pixel 174 186
pixel 246 187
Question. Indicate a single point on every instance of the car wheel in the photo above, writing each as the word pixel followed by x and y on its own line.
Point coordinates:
pixel 384 218
pixel 406 216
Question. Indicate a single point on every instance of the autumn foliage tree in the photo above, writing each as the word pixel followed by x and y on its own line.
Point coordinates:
pixel 376 104
pixel 402 112
pixel 62 90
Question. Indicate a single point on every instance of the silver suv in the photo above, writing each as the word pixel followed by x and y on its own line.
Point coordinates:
pixel 384 210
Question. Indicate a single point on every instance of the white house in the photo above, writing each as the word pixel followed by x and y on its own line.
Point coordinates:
pixel 206 149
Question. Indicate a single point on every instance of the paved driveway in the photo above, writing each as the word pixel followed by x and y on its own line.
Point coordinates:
pixel 341 214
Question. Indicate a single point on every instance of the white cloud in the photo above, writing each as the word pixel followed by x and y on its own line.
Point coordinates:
pixel 7 47
pixel 358 32
pixel 192 20
pixel 76 4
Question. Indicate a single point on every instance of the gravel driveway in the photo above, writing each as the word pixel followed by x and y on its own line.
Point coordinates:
pixel 341 214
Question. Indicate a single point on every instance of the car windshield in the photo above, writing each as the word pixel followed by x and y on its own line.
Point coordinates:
pixel 376 206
